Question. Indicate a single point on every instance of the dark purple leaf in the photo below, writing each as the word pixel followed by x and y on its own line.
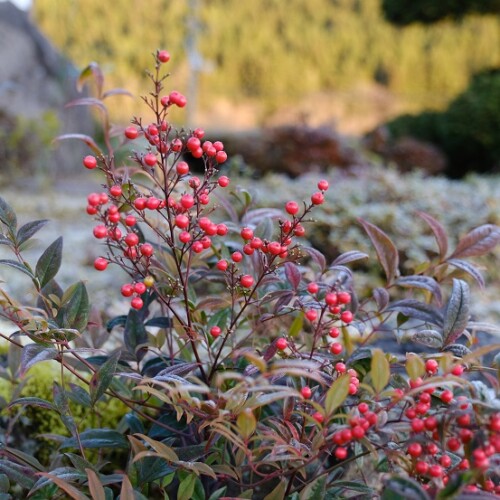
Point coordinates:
pixel 34 353
pixel 439 233
pixel 102 378
pixel 430 338
pixel 478 242
pixel 255 216
pixel 382 297
pixel 29 229
pixel 316 256
pixel 292 274
pixel 88 101
pixel 458 350
pixel 457 312
pixel 425 282
pixel 135 333
pixel 17 265
pixel 351 256
pixel 8 216
pixel 32 401
pixel 418 310
pixel 113 92
pixel 468 268
pixel 387 252
pixel 81 137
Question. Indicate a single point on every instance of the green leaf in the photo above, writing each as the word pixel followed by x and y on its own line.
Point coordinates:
pixel 35 353
pixel 24 457
pixel 18 474
pixel 387 252
pixel 34 401
pixel 457 312
pixel 380 370
pixel 297 325
pixel 278 492
pixel 98 438
pixel 415 366
pixel 79 395
pixel 76 309
pixel 49 262
pixel 102 378
pixel 246 423
pixel 315 489
pixel 17 265
pixel 398 488
pixel 28 230
pixel 218 493
pixel 135 333
pixel 8 216
pixel 116 321
pixel 337 394
pixel 186 488
pixel 4 483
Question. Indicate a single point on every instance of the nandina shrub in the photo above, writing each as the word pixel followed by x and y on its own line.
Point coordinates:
pixel 248 362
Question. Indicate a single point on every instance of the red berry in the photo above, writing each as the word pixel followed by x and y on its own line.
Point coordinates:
pixel 131 239
pixel 248 250
pixel 137 303
pixel 463 420
pixel 312 288
pixel 358 432
pixel 140 203
pixel 431 423
pixel 415 449
pixel 90 162
pixel 197 247
pixel 237 256
pixel 445 461
pixel 220 156
pixel 221 229
pixel 223 181
pixel 331 299
pixel 334 332
pixel 101 263
pixel 182 168
pixel 246 233
pixel 318 417
pixel 150 159
pixel 431 366
pixel 292 207
pixel 130 220
pixel 340 453
pixel 153 203
pixel 311 315
pixel 323 185
pixel 435 471
pixel 457 370
pixel 146 249
pixel 256 243
pixel 222 265
pixel 421 467
pixel 163 56
pixel 131 132
pixel 344 297
pixel 246 281
pixel 199 132
pixel 336 348
pixel 215 331
pixel 182 221
pixel 91 210
pixel 446 397
pixel 184 237
pixel 281 344
pixel 417 425
pixel 363 408
pixel 299 231
pixel 139 288
pixel 453 444
pixel 218 145
pixel 317 198
pixel 127 290
pixel 115 191
pixel 100 232
pixel 193 143
pixel 306 392
pixel 340 367
pixel 347 316
pixel 274 248
pixel 187 201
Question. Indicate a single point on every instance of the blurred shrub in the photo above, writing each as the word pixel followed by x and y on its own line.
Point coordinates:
pixel 403 12
pixel 24 143
pixel 467 131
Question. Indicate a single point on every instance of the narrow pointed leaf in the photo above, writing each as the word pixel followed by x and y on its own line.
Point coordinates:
pixel 135 333
pixel 34 353
pixel 478 242
pixel 387 252
pixel 102 378
pixel 337 394
pixel 68 488
pixel 468 268
pixel 17 265
pixel 29 229
pixel 8 216
pixel 76 310
pixel 18 474
pixel 457 312
pixel 49 262
pixel 439 233
pixel 347 257
pixel 292 274
pixel 84 138
pixel 98 438
pixel 418 310
pixel 423 282
pixel 95 486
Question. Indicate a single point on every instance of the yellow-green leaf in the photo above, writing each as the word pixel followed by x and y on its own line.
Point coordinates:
pixel 415 366
pixel 246 423
pixel 278 493
pixel 337 394
pixel 380 370
pixel 162 449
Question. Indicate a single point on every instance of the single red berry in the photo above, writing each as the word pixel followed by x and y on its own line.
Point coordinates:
pixel 237 256
pixel 199 132
pixel 431 423
pixel 137 303
pixel 446 397
pixel 220 229
pixel 100 232
pixel 415 449
pixel 358 432
pixel 103 199
pixel 274 248
pixel 246 281
pixel 150 159
pixel 463 420
pixel 130 220
pixel 311 314
pixel 347 316
pixel 146 249
pixel 182 221
pixel 215 331
pixel 435 471
pixel 299 231
pixel 465 435
pixel 90 162
pixel 222 265
pixel 336 348
pixel 115 191
pixel 163 56
pixel 182 168
pixel 91 210
pixel 363 408
pixel 457 370
pixel 334 332
pixel 417 425
pixel 94 199
pixel 464 465
pixel 193 143
pixel 344 297
pixel 218 145
pixel 281 343
pixel 184 237
pixel 323 185
pixel 431 366
pixel 495 423
pixel 417 382
pixel 127 290
pixel 101 263
pixel 306 392
pixel 246 233
pixel 153 203
pixel 445 461
pixel 220 156
pixel 197 247
pixel 223 181
pixel 131 239
pixel 331 299
pixel 256 243
pixel 139 288
pixel 318 417
pixel 312 288
pixel 292 207
pixel 340 453
pixel 317 198
pixel 187 201
pixel 421 467
pixel 248 250
pixel 340 367
pixel 131 132
pixel 453 444
pixel 140 203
